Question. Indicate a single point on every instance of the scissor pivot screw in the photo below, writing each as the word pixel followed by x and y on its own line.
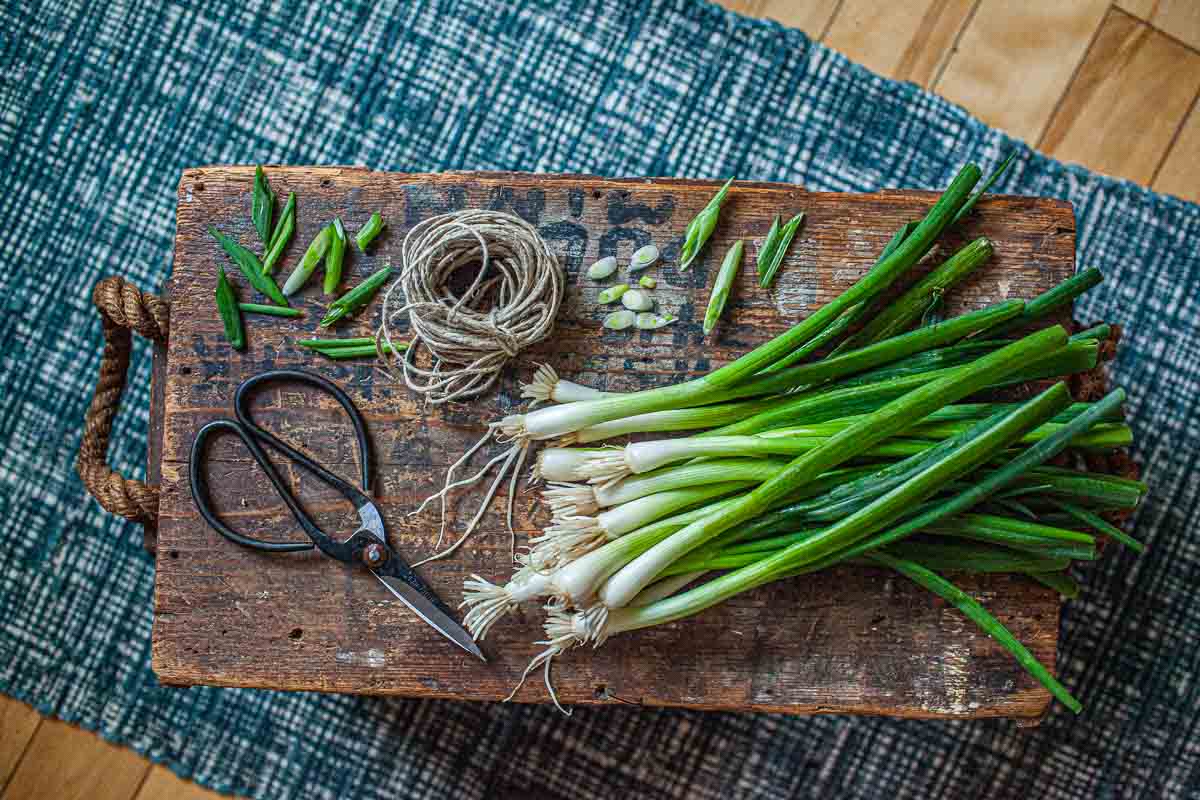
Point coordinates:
pixel 373 555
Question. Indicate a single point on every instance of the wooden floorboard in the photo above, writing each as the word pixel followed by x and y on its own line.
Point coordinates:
pixel 1113 90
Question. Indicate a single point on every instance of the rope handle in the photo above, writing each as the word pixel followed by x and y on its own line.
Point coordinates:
pixel 122 309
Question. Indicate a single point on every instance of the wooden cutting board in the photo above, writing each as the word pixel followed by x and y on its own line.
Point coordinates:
pixel 846 641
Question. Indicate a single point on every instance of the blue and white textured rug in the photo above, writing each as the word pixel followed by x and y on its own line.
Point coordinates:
pixel 103 103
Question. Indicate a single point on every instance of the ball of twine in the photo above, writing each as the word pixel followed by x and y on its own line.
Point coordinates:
pixel 510 303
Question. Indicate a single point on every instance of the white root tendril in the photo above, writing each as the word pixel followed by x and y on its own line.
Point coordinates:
pixel 512 499
pixel 606 469
pixel 487 602
pixel 448 486
pixel 541 388
pixel 564 630
pixel 509 456
pixel 571 498
pixel 568 539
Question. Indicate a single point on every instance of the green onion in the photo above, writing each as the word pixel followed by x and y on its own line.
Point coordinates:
pixel 696 235
pixel 250 266
pixel 356 298
pixel 227 306
pixel 1061 295
pixel 1101 525
pixel 333 259
pixel 979 615
pixel 646 282
pixel 367 233
pixel 775 248
pixel 900 313
pixel 987 184
pixel 312 256
pixel 281 236
pixel 555 421
pixel 261 206
pixel 273 311
pixel 851 441
pixel 722 285
pixel 848 317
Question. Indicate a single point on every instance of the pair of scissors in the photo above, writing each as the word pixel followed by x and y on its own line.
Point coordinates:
pixel 367 546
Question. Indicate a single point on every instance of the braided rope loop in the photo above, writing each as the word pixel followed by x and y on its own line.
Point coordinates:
pixel 122 309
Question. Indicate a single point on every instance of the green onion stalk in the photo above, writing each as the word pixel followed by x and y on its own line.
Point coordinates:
pixel 557 421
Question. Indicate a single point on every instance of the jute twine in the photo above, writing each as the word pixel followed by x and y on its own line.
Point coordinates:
pixel 510 304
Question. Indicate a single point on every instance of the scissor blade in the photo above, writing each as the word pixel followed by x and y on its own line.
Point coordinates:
pixel 437 619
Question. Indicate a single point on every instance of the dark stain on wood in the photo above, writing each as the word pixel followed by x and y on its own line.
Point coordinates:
pixel 848 641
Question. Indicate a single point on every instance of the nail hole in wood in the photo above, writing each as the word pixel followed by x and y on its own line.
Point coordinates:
pixel 296 635
pixel 185 371
pixel 326 182
pixel 199 187
pixel 174 554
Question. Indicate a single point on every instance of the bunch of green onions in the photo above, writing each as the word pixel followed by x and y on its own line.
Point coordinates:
pixel 872 455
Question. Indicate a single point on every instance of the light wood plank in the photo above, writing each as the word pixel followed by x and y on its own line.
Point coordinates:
pixel 1178 18
pixel 67 763
pixel 1180 173
pixel 18 722
pixel 906 41
pixel 162 784
pixel 1014 60
pixel 810 16
pixel 1129 98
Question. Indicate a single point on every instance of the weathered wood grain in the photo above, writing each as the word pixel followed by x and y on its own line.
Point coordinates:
pixel 857 641
pixel 1014 61
pixel 1127 102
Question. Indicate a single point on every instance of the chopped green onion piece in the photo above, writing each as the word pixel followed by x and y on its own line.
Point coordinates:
pixel 325 344
pixel 619 320
pixel 701 227
pixel 646 282
pixel 250 266
pixel 281 236
pixel 227 306
pixel 359 351
pixel 612 294
pixel 367 233
pixel 637 300
pixel 602 268
pixel 356 298
pixel 312 256
pixel 649 321
pixel 768 267
pixel 273 311
pixel 722 285
pixel 333 259
pixel 261 205
pixel 644 257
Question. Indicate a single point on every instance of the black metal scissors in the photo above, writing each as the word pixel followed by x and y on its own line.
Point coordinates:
pixel 366 546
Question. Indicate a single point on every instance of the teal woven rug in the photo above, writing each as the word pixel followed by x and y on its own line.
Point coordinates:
pixel 103 103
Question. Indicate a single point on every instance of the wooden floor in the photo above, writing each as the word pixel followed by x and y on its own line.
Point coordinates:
pixel 1113 87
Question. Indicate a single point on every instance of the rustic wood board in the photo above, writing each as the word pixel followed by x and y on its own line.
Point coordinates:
pixel 851 641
